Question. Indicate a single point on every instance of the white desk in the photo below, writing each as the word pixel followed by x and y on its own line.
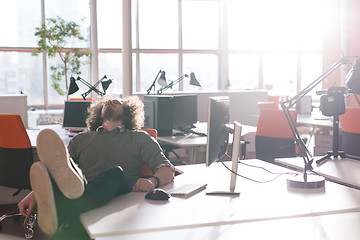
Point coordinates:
pixel 33 133
pixel 193 141
pixel 329 227
pixel 341 170
pixel 314 120
pixel 132 215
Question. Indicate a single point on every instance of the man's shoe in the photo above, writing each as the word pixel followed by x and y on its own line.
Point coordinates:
pixel 42 188
pixel 54 154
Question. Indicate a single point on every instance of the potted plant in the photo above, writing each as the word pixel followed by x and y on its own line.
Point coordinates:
pixel 54 35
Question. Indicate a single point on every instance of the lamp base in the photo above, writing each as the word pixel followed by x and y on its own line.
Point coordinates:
pixel 313 181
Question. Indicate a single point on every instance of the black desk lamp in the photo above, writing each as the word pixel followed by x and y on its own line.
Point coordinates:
pixel 306 181
pixel 105 83
pixel 193 81
pixel 161 81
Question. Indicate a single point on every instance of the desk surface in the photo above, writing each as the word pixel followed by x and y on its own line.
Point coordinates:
pixel 341 170
pixel 133 214
pixel 329 227
pixel 315 120
pixel 33 133
pixel 193 140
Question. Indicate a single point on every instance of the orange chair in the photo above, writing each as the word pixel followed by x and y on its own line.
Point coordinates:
pixel 274 99
pixel 266 105
pixel 353 103
pixel 15 151
pixel 274 138
pixel 350 125
pixel 80 99
pixel 16 158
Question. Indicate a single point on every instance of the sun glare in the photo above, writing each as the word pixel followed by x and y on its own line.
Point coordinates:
pixel 278 24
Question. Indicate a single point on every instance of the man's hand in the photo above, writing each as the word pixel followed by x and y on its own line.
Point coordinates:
pixel 27 205
pixel 144 185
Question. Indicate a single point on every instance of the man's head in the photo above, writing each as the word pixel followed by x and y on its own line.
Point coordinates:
pixel 112 110
pixel 130 111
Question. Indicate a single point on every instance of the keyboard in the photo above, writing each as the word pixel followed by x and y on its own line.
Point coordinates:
pixel 187 190
pixel 198 133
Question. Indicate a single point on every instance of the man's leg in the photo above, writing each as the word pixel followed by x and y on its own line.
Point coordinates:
pixel 54 154
pixel 98 192
pixel 54 159
pixel 67 177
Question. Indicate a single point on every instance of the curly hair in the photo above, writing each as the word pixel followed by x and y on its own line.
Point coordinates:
pixel 133 113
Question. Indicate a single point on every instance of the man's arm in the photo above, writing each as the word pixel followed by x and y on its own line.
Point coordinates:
pixel 162 176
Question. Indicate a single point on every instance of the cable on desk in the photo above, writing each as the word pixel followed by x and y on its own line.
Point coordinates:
pixel 249 165
pixel 250 179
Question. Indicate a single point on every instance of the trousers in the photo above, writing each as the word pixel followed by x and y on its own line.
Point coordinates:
pixel 98 192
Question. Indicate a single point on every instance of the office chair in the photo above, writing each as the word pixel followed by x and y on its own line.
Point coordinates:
pixel 349 121
pixel 80 99
pixel 275 100
pixel 266 105
pixel 16 158
pixel 274 138
pixel 15 151
pixel 353 103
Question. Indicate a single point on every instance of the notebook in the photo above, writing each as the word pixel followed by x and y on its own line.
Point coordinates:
pixel 187 190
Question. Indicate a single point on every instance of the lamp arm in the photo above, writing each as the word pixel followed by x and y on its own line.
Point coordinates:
pixel 153 83
pixel 84 82
pixel 91 88
pixel 305 153
pixel 287 104
pixel 292 101
pixel 94 86
pixel 171 84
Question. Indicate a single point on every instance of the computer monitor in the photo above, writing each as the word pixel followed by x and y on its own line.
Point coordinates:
pixel 184 108
pixel 75 114
pixel 167 112
pixel 218 133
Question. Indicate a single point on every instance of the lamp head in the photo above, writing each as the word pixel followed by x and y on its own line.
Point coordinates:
pixel 353 78
pixel 105 84
pixel 162 79
pixel 193 80
pixel 73 86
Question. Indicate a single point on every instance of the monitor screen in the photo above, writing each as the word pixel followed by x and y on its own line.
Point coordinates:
pixel 217 134
pixel 75 114
pixel 184 109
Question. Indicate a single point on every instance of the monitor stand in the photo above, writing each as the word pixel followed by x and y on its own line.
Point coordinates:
pixel 235 156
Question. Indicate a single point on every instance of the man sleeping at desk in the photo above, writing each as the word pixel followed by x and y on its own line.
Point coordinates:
pixel 98 165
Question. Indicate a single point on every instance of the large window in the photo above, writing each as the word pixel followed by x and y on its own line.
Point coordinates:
pixel 269 41
pixel 235 44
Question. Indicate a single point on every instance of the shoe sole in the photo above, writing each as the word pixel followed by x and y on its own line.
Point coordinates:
pixel 42 188
pixel 54 154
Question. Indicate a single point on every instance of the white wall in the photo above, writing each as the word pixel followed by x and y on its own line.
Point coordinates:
pixel 15 104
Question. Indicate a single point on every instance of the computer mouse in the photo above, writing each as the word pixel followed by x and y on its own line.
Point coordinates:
pixel 158 194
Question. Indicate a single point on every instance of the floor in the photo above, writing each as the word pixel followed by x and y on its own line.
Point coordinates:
pixel 14 226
